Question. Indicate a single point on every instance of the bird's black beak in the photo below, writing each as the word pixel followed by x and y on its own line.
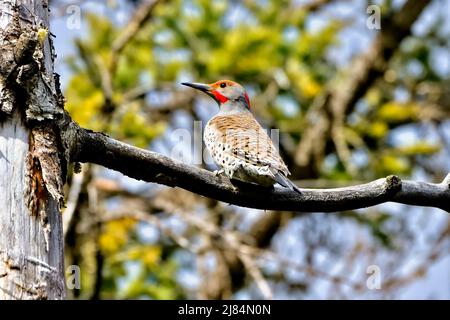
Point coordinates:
pixel 199 86
pixel 206 88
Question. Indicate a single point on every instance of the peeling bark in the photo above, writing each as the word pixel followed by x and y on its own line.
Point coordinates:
pixel 31 169
pixel 44 162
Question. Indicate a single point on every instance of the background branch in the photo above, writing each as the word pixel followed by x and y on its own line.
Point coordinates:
pixel 142 14
pixel 339 100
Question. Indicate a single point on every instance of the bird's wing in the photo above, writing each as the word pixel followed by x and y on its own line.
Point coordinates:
pixel 242 137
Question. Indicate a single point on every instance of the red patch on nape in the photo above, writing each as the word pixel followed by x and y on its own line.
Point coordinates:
pixel 221 98
pixel 247 99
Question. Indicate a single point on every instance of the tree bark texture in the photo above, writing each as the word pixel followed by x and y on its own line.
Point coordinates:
pixel 31 168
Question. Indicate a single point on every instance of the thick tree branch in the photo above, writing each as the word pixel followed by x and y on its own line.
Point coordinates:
pixel 140 164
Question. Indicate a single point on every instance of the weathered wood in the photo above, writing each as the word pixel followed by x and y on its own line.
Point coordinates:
pixel 31 247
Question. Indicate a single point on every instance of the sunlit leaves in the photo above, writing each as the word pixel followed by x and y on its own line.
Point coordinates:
pixel 245 51
pixel 389 164
pixel 115 235
pixel 149 255
pixel 399 112
pixel 378 129
pixel 156 283
pixel 302 79
pixel 311 45
pixel 419 148
pixel 100 36
pixel 84 101
pixel 133 126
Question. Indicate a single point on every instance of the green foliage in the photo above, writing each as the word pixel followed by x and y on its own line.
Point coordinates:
pixel 155 283
pixel 154 276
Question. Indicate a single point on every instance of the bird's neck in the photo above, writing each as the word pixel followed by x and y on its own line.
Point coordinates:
pixel 233 107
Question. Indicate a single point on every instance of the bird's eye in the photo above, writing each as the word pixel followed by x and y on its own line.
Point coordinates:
pixel 223 85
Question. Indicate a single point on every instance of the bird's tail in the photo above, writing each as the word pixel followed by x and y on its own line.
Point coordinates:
pixel 285 182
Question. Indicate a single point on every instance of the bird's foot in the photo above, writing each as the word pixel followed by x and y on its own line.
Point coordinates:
pixel 217 172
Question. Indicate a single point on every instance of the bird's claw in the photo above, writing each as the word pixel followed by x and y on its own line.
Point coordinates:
pixel 217 172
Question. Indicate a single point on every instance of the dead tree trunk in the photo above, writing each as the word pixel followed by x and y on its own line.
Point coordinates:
pixel 31 166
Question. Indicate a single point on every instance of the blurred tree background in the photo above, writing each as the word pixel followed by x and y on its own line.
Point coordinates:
pixel 352 104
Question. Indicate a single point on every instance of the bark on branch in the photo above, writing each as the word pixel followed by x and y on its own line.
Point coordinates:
pixel 150 166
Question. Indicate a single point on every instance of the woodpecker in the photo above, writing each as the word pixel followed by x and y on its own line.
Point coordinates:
pixel 237 142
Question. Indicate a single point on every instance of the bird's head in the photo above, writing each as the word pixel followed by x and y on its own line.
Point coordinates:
pixel 223 91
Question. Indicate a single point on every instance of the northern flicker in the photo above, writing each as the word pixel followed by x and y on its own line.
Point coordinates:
pixel 237 142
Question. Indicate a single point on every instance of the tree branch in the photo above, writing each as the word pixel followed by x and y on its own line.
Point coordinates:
pixel 142 14
pixel 149 166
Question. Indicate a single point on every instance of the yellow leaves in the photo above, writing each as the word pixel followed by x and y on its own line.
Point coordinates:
pixel 149 255
pixel 218 6
pixel 84 101
pixel 245 49
pixel 133 125
pixel 307 85
pixel 315 43
pixel 159 284
pixel 85 110
pixel 115 235
pixel 295 17
pixel 110 242
pixel 394 164
pixel 398 160
pixel 373 96
pixel 101 32
pixel 139 56
pixel 172 69
pixel 398 112
pixel 419 148
pixel 302 79
pixel 162 293
pixel 377 129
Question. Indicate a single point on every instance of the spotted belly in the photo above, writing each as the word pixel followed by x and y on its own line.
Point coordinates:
pixel 233 166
